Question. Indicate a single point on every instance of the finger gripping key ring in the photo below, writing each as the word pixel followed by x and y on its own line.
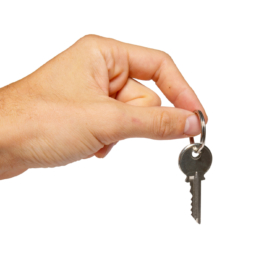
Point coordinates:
pixel 203 133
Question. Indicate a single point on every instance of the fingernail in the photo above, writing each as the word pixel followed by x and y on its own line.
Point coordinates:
pixel 192 126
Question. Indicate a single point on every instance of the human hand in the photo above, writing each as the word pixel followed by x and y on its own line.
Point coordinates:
pixel 84 100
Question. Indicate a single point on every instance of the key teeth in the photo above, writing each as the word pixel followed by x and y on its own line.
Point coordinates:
pixel 190 179
pixel 192 198
pixel 191 191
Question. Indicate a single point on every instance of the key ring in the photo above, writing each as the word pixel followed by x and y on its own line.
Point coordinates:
pixel 203 133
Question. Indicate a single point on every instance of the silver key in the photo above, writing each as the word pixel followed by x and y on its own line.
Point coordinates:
pixel 195 166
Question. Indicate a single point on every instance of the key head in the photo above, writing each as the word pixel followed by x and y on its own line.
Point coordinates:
pixel 190 164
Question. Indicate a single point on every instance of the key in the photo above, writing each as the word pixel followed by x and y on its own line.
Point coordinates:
pixel 194 161
pixel 194 167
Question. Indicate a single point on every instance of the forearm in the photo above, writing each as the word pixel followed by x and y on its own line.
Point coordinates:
pixel 12 129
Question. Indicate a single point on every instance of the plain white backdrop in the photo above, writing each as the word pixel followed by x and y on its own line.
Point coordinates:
pixel 136 201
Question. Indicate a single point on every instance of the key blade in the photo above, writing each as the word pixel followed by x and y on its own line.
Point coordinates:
pixel 195 184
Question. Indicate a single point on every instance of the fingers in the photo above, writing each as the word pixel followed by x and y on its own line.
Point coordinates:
pixel 105 150
pixel 136 94
pixel 130 121
pixel 146 64
pixel 156 123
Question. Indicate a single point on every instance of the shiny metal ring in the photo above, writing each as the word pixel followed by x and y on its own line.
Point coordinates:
pixel 203 133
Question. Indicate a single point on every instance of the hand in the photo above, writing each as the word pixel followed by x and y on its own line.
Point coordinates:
pixel 85 100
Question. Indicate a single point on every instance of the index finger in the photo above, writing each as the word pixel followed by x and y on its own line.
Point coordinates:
pixel 147 64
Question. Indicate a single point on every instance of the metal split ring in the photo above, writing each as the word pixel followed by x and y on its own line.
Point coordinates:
pixel 203 133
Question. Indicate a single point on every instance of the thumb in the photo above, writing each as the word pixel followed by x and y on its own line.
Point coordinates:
pixel 161 123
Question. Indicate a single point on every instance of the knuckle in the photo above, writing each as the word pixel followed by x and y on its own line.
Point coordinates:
pixel 165 56
pixel 89 40
pixel 162 124
pixel 91 37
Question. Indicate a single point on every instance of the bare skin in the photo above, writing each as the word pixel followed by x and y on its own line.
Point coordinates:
pixel 83 101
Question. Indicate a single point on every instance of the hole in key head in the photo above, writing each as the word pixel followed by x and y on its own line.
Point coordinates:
pixel 195 155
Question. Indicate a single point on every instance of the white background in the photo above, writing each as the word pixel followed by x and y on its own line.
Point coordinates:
pixel 135 201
